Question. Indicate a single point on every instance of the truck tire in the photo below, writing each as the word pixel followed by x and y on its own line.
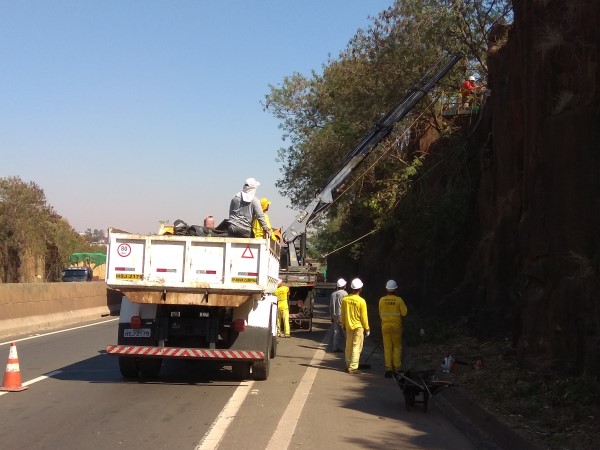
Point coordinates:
pixel 150 367
pixel 260 369
pixel 273 347
pixel 241 370
pixel 128 367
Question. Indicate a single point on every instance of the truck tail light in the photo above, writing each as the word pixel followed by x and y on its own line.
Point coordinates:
pixel 239 325
pixel 136 322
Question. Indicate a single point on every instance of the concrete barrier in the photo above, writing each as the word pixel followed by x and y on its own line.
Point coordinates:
pixel 32 307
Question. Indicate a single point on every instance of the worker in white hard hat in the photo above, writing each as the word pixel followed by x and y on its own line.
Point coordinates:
pixel 391 311
pixel 467 92
pixel 355 321
pixel 335 306
pixel 244 207
pixel 283 309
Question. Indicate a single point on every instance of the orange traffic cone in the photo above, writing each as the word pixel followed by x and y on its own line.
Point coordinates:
pixel 12 376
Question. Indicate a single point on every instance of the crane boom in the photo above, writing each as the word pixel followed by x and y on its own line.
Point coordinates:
pixel 355 157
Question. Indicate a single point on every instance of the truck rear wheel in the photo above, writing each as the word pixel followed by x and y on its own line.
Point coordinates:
pixel 274 346
pixel 128 367
pixel 260 369
pixel 150 367
pixel 241 370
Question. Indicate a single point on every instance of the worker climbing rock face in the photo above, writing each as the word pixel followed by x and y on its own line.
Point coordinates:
pixel 244 207
pixel 355 321
pixel 391 311
pixel 283 310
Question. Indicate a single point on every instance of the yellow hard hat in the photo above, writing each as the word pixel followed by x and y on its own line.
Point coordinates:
pixel 264 203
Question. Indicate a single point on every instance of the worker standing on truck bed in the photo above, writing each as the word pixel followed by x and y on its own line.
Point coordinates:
pixel 391 311
pixel 356 324
pixel 243 208
pixel 283 309
pixel 257 229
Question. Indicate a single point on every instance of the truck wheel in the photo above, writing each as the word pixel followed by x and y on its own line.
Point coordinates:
pixel 241 370
pixel 128 367
pixel 273 346
pixel 260 369
pixel 150 367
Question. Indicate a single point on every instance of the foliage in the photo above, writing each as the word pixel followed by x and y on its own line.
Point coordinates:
pixel 29 227
pixel 323 116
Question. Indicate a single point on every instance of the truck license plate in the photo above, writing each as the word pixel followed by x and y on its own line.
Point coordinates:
pixel 141 332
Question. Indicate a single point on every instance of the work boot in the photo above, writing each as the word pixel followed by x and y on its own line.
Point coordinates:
pixel 388 374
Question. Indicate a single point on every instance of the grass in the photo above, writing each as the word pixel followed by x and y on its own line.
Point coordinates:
pixel 553 410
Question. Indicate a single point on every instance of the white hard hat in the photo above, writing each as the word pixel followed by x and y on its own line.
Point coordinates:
pixel 341 282
pixel 356 284
pixel 251 182
pixel 391 285
pixel 471 78
pixel 279 281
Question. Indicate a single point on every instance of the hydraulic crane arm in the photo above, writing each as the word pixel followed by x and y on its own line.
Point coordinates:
pixel 373 137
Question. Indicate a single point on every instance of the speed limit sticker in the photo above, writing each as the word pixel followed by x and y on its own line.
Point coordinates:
pixel 124 250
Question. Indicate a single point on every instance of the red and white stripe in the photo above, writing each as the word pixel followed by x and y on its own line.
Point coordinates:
pixel 186 353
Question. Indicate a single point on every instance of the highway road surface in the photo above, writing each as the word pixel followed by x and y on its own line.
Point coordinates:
pixel 77 399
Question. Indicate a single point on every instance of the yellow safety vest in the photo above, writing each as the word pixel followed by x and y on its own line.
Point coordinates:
pixel 391 309
pixel 354 312
pixel 282 293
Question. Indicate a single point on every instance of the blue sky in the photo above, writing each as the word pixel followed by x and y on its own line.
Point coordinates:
pixel 128 112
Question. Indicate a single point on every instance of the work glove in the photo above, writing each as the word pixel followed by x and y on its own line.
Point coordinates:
pixel 367 333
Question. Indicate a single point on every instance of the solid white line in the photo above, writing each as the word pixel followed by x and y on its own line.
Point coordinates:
pixel 35 380
pixel 60 331
pixel 288 422
pixel 216 432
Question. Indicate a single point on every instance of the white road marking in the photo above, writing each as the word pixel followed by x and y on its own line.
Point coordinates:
pixel 59 331
pixel 288 422
pixel 216 432
pixel 35 380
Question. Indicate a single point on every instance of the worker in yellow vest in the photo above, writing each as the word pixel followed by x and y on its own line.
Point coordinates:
pixel 355 321
pixel 391 311
pixel 283 310
pixel 257 229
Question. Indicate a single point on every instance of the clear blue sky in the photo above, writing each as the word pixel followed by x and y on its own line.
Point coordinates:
pixel 128 112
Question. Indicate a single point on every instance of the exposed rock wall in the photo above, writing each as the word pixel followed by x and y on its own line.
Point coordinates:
pixel 539 197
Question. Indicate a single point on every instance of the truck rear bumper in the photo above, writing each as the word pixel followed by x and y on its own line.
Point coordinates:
pixel 185 353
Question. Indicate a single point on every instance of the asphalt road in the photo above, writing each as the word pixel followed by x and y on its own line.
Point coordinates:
pixel 78 400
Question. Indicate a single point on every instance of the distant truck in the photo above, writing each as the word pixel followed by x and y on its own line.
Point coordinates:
pixel 192 297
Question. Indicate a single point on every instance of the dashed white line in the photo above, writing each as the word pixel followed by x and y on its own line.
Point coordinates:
pixel 35 380
pixel 215 434
pixel 56 332
pixel 288 422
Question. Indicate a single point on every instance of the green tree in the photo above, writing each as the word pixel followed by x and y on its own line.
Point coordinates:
pixel 323 116
pixel 30 227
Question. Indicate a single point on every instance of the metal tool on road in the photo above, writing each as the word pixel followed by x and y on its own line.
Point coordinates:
pixel 364 365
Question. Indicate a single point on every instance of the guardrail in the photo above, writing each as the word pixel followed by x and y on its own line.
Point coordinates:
pixel 30 307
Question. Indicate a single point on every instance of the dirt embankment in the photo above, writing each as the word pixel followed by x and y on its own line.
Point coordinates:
pixel 539 196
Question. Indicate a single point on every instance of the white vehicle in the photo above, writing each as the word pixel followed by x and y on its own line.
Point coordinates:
pixel 191 297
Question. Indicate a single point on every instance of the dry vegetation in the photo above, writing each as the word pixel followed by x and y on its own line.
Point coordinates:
pixel 552 410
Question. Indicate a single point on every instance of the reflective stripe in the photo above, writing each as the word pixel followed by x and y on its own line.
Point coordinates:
pixel 12 367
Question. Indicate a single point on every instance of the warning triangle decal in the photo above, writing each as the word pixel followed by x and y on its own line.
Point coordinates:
pixel 248 253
